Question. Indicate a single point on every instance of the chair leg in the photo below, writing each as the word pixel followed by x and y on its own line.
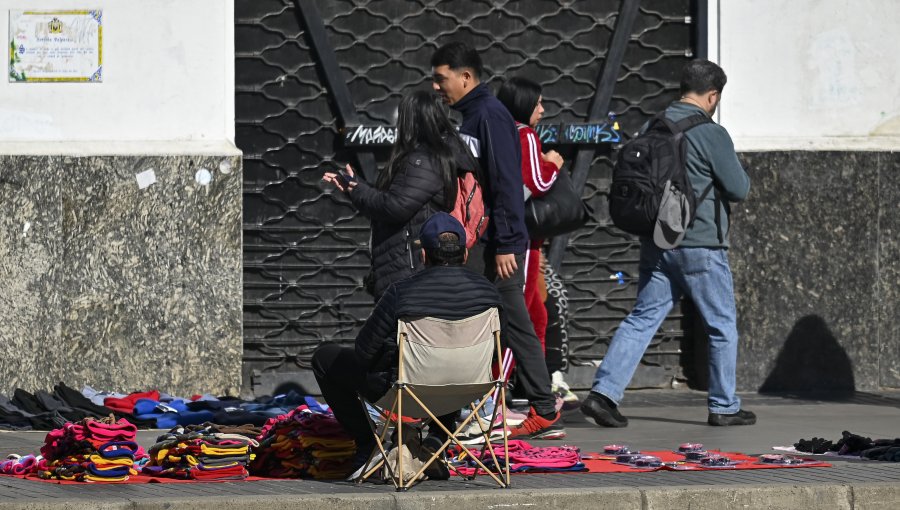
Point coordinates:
pixel 488 447
pixel 452 436
pixel 505 437
pixel 447 431
pixel 379 441
pixel 399 446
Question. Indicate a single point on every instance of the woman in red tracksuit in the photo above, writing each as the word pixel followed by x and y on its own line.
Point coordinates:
pixel 522 97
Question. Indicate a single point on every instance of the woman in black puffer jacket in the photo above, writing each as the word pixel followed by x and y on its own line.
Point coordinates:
pixel 420 179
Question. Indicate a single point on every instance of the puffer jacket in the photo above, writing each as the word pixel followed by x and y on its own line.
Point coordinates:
pixel 444 292
pixel 397 215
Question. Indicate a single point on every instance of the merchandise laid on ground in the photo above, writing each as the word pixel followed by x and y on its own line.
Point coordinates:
pixel 93 439
pixel 151 409
pixel 849 445
pixel 660 423
pixel 525 458
pixel 288 436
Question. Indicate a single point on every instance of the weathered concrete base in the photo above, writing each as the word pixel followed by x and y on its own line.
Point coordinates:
pixel 876 496
pixel 829 497
pixel 122 288
pixel 825 497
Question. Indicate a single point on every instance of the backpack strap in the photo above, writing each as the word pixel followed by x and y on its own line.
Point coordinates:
pixel 718 204
pixel 684 125
pixel 660 118
pixel 687 123
pixel 705 192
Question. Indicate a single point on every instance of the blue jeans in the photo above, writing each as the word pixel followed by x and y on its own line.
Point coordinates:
pixel 704 276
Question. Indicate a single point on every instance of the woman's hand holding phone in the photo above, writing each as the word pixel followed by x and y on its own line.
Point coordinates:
pixel 343 180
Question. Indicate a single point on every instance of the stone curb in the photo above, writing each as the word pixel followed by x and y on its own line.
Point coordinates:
pixel 875 496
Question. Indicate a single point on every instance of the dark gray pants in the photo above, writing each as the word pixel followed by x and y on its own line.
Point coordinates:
pixel 341 377
pixel 518 333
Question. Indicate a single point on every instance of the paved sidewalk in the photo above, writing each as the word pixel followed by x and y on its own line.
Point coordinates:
pixel 658 420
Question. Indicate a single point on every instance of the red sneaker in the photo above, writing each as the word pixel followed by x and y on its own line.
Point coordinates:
pixel 535 427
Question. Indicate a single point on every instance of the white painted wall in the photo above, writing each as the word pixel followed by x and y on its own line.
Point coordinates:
pixel 168 75
pixel 810 73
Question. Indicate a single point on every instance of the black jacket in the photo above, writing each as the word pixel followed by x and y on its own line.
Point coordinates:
pixel 491 134
pixel 444 292
pixel 397 214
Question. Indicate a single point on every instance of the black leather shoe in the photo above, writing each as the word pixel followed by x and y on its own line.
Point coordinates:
pixel 726 420
pixel 603 411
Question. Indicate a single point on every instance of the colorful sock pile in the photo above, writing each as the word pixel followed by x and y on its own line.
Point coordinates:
pixel 307 442
pixel 91 450
pixel 523 457
pixel 19 464
pixel 201 452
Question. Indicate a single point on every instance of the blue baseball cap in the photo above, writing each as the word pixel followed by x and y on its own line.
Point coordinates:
pixel 437 224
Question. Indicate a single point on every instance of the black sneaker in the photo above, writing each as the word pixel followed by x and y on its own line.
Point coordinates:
pixel 603 411
pixel 726 420
pixel 358 462
pixel 438 469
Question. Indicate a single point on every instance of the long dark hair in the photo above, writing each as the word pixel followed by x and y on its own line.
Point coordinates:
pixel 422 123
pixel 520 96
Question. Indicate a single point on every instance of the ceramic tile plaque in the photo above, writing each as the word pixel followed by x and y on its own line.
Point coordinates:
pixel 56 46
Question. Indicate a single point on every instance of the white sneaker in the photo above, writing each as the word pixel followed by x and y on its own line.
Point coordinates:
pixel 561 388
pixel 472 433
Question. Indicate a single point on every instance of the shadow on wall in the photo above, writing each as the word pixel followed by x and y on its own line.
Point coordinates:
pixel 811 360
pixel 291 386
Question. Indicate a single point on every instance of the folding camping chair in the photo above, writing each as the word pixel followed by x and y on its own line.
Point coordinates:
pixel 443 366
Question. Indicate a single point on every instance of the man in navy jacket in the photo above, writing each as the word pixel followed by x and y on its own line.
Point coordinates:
pixel 490 131
pixel 444 289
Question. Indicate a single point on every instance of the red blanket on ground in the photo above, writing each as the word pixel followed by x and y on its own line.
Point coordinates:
pixel 600 463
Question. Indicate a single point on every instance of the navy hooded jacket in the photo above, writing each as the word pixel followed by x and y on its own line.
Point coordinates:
pixel 490 132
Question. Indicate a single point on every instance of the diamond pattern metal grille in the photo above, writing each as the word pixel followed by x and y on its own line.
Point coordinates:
pixel 305 248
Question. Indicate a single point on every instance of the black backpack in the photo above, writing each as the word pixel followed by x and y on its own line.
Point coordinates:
pixel 651 171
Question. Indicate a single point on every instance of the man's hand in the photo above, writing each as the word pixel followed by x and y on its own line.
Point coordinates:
pixel 553 157
pixel 506 265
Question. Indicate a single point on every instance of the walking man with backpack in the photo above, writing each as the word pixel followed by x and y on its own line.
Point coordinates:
pixel 490 132
pixel 692 262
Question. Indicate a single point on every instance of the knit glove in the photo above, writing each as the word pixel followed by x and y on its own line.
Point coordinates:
pixel 814 445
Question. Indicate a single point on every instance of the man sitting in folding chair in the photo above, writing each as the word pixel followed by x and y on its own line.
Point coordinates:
pixel 443 290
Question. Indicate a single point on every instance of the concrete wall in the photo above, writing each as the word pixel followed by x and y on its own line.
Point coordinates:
pixel 812 104
pixel 168 75
pixel 102 281
pixel 809 70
